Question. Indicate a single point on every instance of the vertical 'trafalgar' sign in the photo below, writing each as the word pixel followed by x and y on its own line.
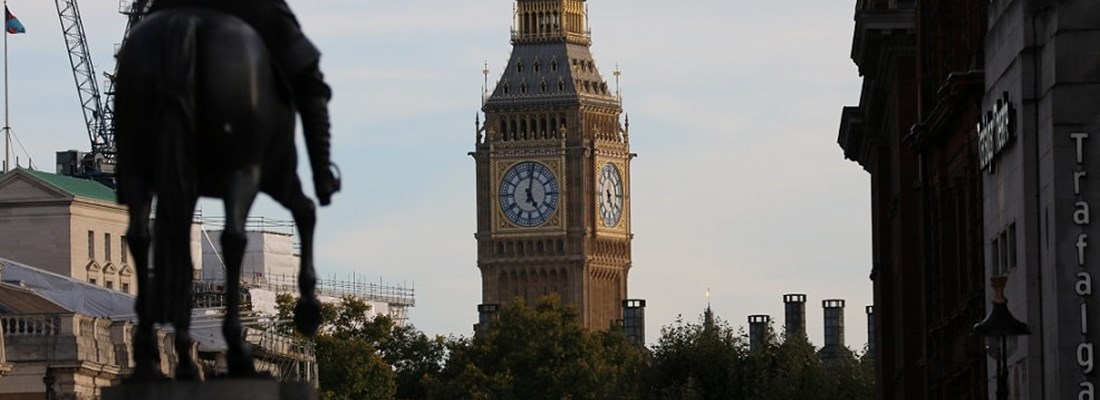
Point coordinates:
pixel 1083 352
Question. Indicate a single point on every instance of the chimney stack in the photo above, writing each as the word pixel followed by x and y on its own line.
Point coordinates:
pixel 634 321
pixel 871 330
pixel 758 331
pixel 485 313
pixel 795 306
pixel 834 328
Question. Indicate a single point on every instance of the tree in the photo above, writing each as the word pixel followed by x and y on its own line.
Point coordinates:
pixel 411 357
pixel 789 370
pixel 708 360
pixel 416 359
pixel 351 369
pixel 540 352
pixel 698 360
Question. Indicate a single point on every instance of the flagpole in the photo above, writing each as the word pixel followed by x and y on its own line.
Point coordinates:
pixel 7 127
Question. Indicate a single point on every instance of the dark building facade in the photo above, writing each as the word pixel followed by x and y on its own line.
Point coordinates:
pixel 872 134
pixel 950 76
pixel 914 132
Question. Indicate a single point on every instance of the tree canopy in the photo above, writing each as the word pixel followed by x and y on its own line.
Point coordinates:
pixel 542 351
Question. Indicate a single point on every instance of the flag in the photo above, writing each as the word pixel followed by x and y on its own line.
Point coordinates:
pixel 11 23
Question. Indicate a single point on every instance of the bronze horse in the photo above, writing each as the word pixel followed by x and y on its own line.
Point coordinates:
pixel 201 111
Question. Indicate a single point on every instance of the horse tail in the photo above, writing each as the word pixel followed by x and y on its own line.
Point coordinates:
pixel 176 172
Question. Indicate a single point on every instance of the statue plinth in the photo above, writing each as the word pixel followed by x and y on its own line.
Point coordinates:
pixel 217 389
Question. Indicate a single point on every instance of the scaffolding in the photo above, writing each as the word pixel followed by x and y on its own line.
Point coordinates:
pixel 252 223
pixel 275 350
pixel 398 298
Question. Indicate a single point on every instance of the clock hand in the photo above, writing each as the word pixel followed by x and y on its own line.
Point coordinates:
pixel 530 183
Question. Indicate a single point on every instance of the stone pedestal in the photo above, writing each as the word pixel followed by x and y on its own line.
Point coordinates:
pixel 224 389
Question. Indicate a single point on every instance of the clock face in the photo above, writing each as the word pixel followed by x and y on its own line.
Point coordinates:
pixel 529 194
pixel 610 196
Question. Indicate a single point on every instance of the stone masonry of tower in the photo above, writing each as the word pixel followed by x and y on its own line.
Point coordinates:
pixel 553 171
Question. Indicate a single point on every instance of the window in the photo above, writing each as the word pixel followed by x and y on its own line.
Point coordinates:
pixel 92 281
pixel 110 285
pixel 107 246
pixel 125 287
pixel 1012 246
pixel 996 253
pixel 125 249
pixel 1004 252
pixel 91 244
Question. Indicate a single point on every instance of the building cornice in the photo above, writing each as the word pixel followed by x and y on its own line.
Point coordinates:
pixel 959 90
pixel 877 33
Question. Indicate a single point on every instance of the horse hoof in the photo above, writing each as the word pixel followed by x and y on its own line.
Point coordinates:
pixel 146 372
pixel 241 366
pixel 187 372
pixel 307 315
pixel 243 371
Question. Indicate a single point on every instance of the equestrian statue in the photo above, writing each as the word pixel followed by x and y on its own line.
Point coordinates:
pixel 205 98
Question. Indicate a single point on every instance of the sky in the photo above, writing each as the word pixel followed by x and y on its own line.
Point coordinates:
pixel 734 110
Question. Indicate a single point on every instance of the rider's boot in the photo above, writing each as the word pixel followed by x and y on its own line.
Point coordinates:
pixel 312 100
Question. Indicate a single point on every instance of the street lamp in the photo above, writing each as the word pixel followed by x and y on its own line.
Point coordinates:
pixel 1000 324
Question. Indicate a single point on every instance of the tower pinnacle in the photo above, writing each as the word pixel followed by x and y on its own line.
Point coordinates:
pixel 551 21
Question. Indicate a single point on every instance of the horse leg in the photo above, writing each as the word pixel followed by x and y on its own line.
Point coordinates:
pixel 243 186
pixel 181 274
pixel 307 312
pixel 146 349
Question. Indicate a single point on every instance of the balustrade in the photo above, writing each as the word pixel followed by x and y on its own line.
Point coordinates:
pixel 30 325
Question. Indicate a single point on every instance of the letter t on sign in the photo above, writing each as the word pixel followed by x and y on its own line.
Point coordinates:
pixel 1080 137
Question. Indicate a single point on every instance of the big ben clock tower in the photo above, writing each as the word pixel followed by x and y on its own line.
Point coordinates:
pixel 553 171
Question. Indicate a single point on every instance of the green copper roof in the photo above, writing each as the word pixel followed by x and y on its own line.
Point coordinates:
pixel 86 188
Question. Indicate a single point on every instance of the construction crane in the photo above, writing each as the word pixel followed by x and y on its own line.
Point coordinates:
pixel 96 105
